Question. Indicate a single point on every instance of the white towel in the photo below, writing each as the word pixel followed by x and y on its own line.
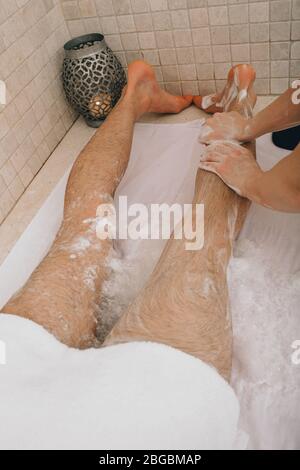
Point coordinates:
pixel 130 396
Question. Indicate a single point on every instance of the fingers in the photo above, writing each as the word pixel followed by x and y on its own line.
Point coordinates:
pixel 212 167
pixel 221 153
pixel 212 130
pixel 224 126
pixel 228 148
pixel 207 136
pixel 221 148
pixel 211 155
pixel 234 149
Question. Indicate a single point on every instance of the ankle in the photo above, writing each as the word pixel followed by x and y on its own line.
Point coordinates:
pixel 139 103
pixel 131 107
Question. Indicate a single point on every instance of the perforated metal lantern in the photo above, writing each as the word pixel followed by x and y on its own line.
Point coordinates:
pixel 93 77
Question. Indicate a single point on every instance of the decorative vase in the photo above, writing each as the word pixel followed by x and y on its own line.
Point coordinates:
pixel 93 77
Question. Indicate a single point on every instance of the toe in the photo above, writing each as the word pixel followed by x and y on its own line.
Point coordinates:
pixel 197 100
pixel 182 102
pixel 187 100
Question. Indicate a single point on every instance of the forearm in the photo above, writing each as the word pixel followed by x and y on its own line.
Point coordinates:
pixel 283 113
pixel 278 188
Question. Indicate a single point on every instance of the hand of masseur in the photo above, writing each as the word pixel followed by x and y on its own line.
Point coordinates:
pixel 234 164
pixel 226 126
pixel 278 188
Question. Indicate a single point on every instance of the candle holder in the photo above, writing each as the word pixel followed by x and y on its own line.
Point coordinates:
pixel 93 77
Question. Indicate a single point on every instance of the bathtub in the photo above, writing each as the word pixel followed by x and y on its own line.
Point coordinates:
pixel 264 275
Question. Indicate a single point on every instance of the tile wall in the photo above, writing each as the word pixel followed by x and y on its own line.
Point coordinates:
pixel 36 116
pixel 192 43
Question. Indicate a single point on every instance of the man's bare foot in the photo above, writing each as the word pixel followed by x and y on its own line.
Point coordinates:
pixel 244 78
pixel 215 103
pixel 239 87
pixel 146 94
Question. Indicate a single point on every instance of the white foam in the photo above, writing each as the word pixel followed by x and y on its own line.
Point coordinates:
pixel 205 131
pixel 90 276
pixel 80 245
pixel 243 94
pixel 232 94
pixel 207 101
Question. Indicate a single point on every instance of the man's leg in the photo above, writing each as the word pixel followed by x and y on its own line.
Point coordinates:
pixel 63 293
pixel 185 302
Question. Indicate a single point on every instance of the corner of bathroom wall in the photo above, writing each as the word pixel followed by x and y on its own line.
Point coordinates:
pixel 35 117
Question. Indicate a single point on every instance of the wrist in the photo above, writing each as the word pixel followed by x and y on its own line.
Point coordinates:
pixel 254 186
pixel 249 130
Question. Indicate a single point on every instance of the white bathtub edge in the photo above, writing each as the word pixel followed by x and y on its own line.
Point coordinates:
pixel 42 186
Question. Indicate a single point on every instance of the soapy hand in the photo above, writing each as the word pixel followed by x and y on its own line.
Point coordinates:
pixel 234 164
pixel 226 126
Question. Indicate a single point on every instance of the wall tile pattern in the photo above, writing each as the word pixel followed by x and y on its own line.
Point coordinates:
pixel 192 43
pixel 36 116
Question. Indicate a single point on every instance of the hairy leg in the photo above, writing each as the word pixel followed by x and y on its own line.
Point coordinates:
pixel 63 292
pixel 185 302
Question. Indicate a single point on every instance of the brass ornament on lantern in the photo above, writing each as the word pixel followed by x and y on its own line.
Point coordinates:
pixel 93 77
